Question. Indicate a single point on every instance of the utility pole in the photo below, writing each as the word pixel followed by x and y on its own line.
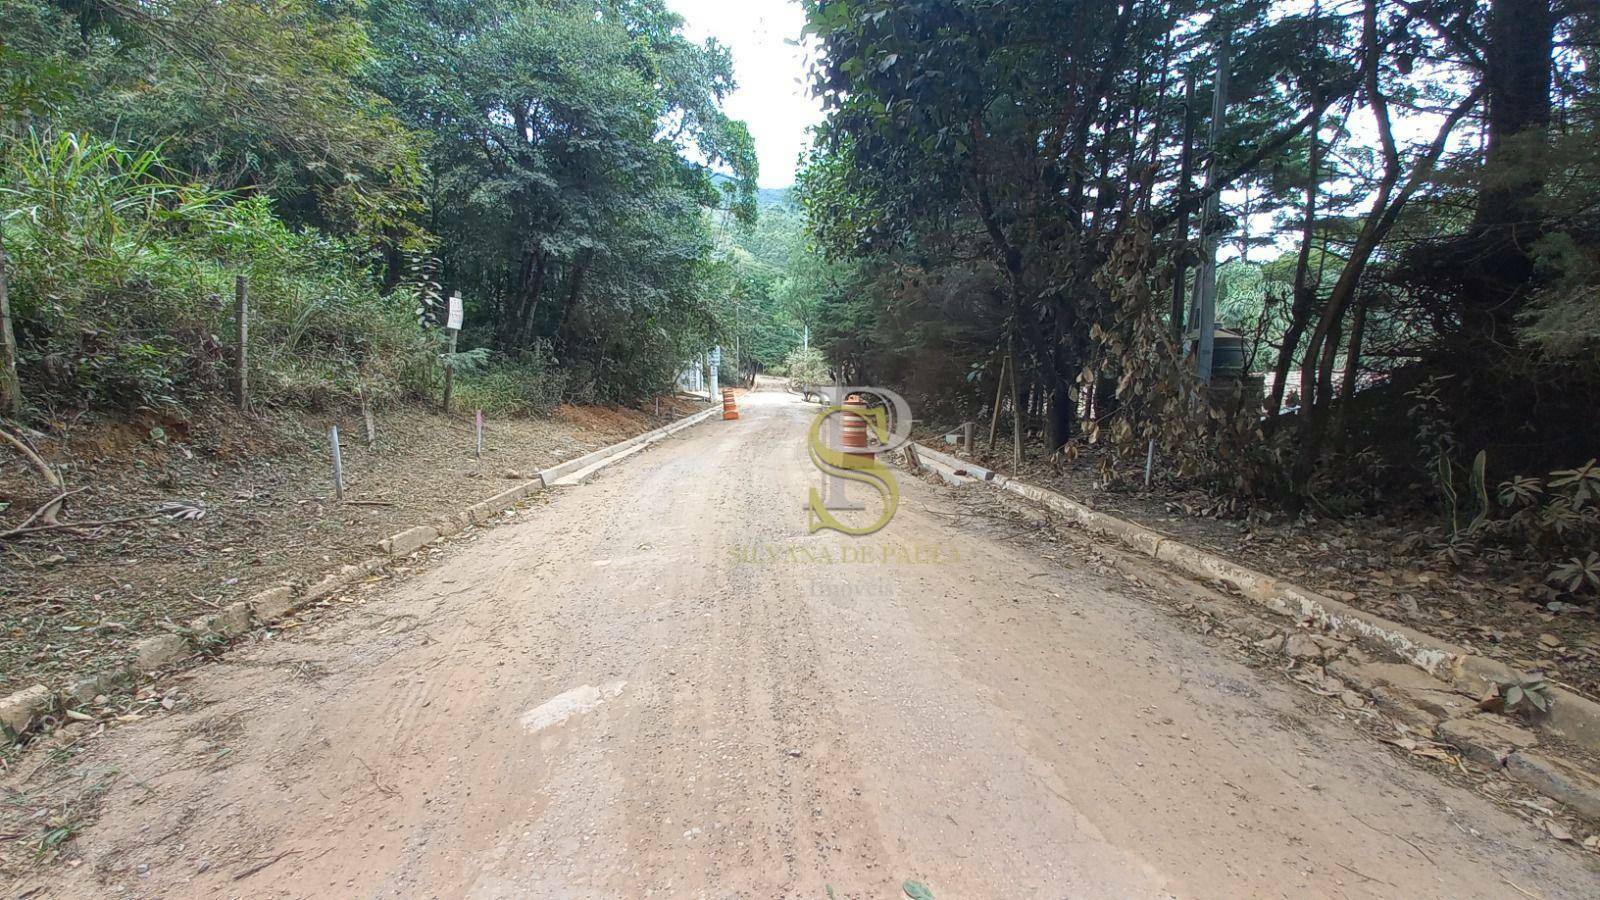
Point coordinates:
pixel 1205 286
pixel 1180 242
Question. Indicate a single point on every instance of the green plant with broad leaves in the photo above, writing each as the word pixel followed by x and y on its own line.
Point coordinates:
pixel 1528 695
pixel 1558 519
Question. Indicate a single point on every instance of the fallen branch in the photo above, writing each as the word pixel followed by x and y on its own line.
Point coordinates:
pixel 73 526
pixel 49 510
pixel 32 457
pixel 55 502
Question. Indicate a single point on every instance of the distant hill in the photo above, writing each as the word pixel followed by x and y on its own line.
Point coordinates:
pixel 767 198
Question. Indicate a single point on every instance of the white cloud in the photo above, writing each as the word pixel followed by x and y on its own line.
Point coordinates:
pixel 772 97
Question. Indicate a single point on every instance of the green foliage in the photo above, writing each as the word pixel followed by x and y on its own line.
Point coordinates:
pixel 1578 574
pixel 807 368
pixel 528 383
pixel 123 282
pixel 561 189
pixel 237 95
pixel 551 161
pixel 1556 520
pixel 1017 145
pixel 1466 507
pixel 1528 696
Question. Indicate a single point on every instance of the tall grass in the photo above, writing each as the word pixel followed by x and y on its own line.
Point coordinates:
pixel 122 283
pixel 528 383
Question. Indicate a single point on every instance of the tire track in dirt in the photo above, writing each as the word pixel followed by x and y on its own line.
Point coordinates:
pixel 601 698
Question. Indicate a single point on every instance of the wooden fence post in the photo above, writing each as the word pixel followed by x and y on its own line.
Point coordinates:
pixel 999 396
pixel 10 384
pixel 241 348
pixel 367 417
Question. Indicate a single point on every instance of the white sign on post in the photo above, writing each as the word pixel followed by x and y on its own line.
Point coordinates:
pixel 453 320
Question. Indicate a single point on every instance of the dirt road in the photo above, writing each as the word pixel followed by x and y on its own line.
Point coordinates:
pixel 655 684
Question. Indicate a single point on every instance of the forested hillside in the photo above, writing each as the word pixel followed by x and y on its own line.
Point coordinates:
pixel 761 306
pixel 564 165
pixel 1404 198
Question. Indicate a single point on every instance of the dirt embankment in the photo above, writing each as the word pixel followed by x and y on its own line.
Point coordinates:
pixel 1494 605
pixel 207 511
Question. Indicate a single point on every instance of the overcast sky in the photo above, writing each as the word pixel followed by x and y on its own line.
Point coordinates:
pixel 771 98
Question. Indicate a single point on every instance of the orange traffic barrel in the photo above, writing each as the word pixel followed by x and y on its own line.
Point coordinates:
pixel 853 425
pixel 729 411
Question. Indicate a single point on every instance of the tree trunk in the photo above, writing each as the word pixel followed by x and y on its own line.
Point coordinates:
pixel 10 382
pixel 580 269
pixel 999 400
pixel 1304 294
pixel 1016 405
pixel 1059 415
pixel 1518 55
pixel 1316 370
pixel 523 307
pixel 1521 35
pixel 1352 365
pixel 1180 240
pixel 1105 397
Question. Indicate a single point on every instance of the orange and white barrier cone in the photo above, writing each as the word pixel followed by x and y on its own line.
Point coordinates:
pixel 853 429
pixel 729 411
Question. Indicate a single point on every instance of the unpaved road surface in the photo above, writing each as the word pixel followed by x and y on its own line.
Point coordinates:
pixel 657 684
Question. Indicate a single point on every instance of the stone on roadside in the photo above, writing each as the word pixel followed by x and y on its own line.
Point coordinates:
pixel 159 652
pixel 1273 644
pixel 20 710
pixel 1302 646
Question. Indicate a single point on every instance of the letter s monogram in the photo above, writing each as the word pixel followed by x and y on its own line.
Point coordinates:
pixel 865 470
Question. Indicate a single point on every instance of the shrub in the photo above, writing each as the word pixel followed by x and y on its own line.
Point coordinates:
pixel 524 383
pixel 1554 520
pixel 807 368
pixel 123 280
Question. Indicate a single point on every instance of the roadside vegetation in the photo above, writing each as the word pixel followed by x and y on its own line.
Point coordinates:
pixel 564 166
pixel 1013 203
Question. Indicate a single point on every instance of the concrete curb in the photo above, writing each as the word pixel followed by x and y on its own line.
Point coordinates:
pixel 561 470
pixel 1572 716
pixel 22 711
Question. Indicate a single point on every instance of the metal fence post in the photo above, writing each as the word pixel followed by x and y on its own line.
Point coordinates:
pixel 338 462
pixel 241 349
